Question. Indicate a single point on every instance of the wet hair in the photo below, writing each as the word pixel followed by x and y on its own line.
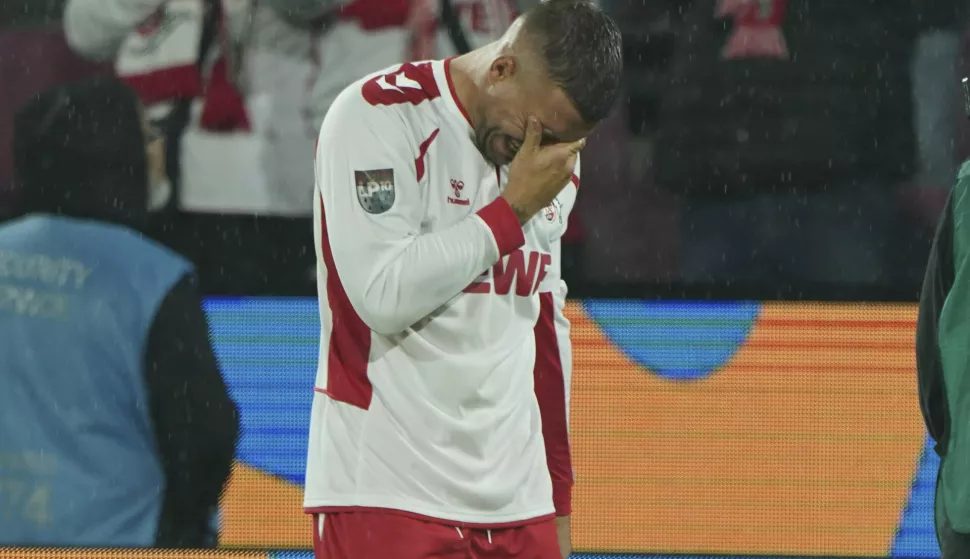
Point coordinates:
pixel 581 48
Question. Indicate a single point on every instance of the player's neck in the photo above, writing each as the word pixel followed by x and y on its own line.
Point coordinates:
pixel 468 74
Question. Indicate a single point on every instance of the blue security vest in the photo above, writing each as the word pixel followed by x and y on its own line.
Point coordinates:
pixel 78 460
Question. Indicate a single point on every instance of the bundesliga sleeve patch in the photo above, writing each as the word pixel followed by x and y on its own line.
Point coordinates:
pixel 375 190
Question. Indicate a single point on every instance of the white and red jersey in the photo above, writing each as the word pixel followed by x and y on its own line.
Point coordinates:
pixel 443 384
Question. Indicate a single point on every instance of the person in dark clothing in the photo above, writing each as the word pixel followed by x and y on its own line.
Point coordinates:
pixel 115 422
pixel 787 127
pixel 943 367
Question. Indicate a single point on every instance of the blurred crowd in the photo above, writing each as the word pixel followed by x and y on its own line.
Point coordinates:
pixel 769 147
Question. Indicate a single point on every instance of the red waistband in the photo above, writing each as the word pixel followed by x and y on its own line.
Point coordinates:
pixel 456 523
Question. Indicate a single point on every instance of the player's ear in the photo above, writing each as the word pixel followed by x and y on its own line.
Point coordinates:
pixel 502 68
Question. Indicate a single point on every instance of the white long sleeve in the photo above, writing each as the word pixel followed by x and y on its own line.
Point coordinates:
pixel 95 29
pixel 394 274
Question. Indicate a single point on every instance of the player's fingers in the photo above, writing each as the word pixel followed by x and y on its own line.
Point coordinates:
pixel 571 161
pixel 533 135
pixel 568 150
pixel 577 146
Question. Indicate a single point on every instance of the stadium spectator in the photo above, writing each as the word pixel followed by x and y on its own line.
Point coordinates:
pixel 189 61
pixel 219 78
pixel 788 127
pixel 443 190
pixel 116 428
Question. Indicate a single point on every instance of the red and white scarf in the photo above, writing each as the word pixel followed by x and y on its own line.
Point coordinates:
pixel 160 61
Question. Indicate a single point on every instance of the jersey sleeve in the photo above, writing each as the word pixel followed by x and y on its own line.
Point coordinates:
pixel 554 368
pixel 372 183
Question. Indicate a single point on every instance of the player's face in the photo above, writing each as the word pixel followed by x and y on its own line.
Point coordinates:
pixel 512 98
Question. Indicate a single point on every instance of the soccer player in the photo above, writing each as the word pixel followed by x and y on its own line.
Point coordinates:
pixel 439 424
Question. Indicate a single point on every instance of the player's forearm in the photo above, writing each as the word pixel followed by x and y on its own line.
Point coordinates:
pixel 394 294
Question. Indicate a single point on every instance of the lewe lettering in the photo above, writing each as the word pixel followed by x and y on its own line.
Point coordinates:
pixel 513 271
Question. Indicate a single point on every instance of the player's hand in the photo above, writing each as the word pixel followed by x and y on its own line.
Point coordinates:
pixel 565 541
pixel 539 173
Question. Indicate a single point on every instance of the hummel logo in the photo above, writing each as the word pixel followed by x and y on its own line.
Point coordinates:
pixel 457 186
